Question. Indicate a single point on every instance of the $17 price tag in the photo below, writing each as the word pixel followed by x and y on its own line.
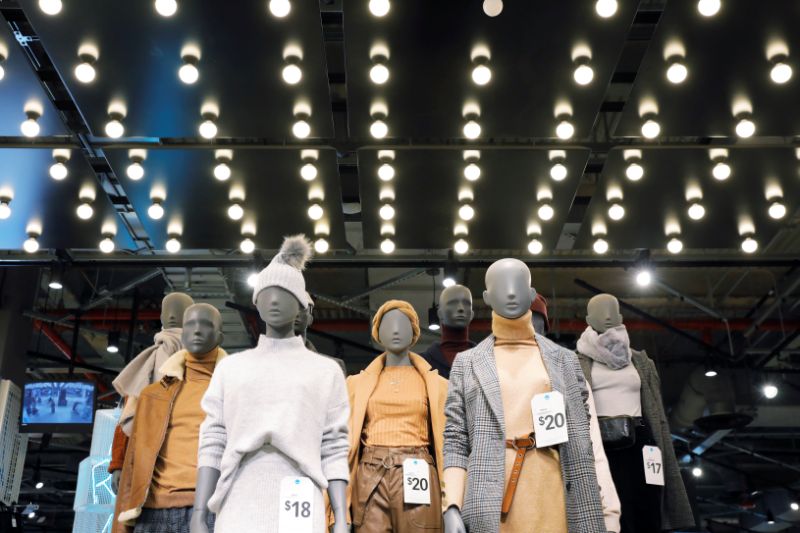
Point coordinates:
pixel 653 465
pixel 549 419
pixel 296 505
pixel 416 482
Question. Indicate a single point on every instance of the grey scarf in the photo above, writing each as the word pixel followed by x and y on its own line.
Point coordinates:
pixel 612 347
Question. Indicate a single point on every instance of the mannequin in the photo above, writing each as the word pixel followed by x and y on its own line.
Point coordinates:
pixel 489 400
pixel 301 324
pixel 143 370
pixel 397 414
pixel 275 413
pixel 626 385
pixel 157 490
pixel 541 324
pixel 455 314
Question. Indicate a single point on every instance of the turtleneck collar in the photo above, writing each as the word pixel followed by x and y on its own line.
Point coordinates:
pixel 270 344
pixel 460 335
pixel 513 329
pixel 201 366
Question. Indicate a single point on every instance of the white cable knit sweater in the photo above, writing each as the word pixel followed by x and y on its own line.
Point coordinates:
pixel 282 395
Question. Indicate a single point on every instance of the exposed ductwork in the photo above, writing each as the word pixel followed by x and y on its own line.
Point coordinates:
pixel 707 403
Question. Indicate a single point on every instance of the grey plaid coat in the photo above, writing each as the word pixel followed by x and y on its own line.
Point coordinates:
pixel 474 438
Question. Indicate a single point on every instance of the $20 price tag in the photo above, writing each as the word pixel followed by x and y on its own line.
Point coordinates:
pixel 653 465
pixel 549 419
pixel 416 481
pixel 296 505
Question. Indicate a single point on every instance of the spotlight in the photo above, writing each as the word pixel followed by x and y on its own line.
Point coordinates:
pixel 5 208
pixel 30 127
pixel 301 129
pixel 634 172
pixel 315 212
pixel 247 246
pixel 697 471
pixel 189 73
pixel 58 170
pixel 386 172
pixel 651 129
pixel 777 210
pixel 709 8
pixel 156 210
pixel 675 246
pixel 292 74
pixel 379 129
pixel 546 212
pixel 600 246
pixel 308 172
pixel 492 8
pixel 252 279
pixel 433 319
pixel 113 342
pixel 107 245
pixel 535 247
pixel 222 171
pixel 472 130
pixel 321 246
pixel 745 128
pixel 466 212
pixel 583 74
pixel 31 244
pixel 280 8
pixel 565 130
pixel 696 211
pixel 114 127
pixel 616 212
pixel 461 246
pixel 606 8
pixel 387 246
pixel 50 7
pixel 173 245
pixel 166 8
pixel 85 211
pixel 208 129
pixel 770 391
pixel 781 72
pixel 379 8
pixel 721 171
pixel 31 515
pixel 677 72
pixel 135 171
pixel 235 212
pixel 710 371
pixel 386 212
pixel 472 172
pixel 749 245
pixel 481 75
pixel 379 74
pixel 450 274
pixel 85 71
pixel 558 172
pixel 644 277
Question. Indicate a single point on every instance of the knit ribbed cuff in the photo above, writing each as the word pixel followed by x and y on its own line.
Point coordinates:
pixel 211 460
pixel 336 469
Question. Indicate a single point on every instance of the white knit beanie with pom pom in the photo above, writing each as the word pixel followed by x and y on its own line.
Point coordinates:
pixel 286 269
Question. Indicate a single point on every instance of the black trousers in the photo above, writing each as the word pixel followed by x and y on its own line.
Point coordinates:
pixel 640 502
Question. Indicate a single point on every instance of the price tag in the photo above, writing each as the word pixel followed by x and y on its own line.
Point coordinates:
pixel 653 465
pixel 296 505
pixel 549 419
pixel 416 482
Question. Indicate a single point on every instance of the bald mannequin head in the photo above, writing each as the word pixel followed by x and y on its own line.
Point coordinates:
pixel 202 329
pixel 602 313
pixel 455 307
pixel 173 306
pixel 508 288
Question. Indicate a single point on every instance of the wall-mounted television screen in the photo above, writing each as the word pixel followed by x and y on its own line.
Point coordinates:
pixel 58 407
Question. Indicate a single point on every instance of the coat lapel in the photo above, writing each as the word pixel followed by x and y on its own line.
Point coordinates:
pixel 366 385
pixel 551 362
pixel 486 374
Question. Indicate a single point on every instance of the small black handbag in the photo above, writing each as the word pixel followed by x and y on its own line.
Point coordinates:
pixel 618 432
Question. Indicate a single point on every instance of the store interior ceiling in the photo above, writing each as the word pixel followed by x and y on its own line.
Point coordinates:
pixel 642 162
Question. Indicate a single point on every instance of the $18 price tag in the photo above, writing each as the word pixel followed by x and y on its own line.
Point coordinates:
pixel 653 465
pixel 416 482
pixel 296 505
pixel 549 419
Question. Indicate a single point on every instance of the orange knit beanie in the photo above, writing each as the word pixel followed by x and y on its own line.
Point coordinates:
pixel 404 307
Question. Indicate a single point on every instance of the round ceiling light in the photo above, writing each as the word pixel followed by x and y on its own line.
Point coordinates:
pixel 745 128
pixel 235 212
pixel 721 171
pixel 379 129
pixel 675 246
pixel 696 211
pixel 50 7
pixel 386 212
pixel 600 246
pixel 386 172
pixel 58 171
pixel 107 245
pixel 583 75
pixel 616 212
pixel 155 211
pixel 461 246
pixel 166 8
pixel 546 212
pixel 565 130
pixel 85 72
pixel 749 245
pixel 387 246
pixel 634 172
pixel 321 246
pixel 308 172
pixel 222 172
pixel 379 74
pixel 247 246
pixel 379 8
pixel 292 74
pixel 651 129
pixel 492 8
pixel 85 211
pixel 781 72
pixel 709 8
pixel 135 171
pixel 30 127
pixel 173 245
pixel 280 8
pixel 207 129
pixel 535 247
pixel 558 172
pixel 472 130
pixel 677 73
pixel 777 210
pixel 606 8
pixel 315 212
pixel 189 73
pixel 301 129
pixel 472 172
pixel 115 129
pixel 481 75
pixel 31 245
pixel 466 212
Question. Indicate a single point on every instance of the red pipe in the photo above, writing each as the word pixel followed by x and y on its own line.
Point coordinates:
pixel 62 347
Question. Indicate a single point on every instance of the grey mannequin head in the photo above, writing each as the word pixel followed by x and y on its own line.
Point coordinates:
pixel 278 307
pixel 602 313
pixel 455 307
pixel 202 329
pixel 508 288
pixel 395 332
pixel 173 306
pixel 304 318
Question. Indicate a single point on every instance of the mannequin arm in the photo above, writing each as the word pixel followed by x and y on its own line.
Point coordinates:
pixel 337 495
pixel 207 478
pixel 608 491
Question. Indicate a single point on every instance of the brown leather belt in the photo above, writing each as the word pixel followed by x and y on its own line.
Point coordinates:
pixel 521 445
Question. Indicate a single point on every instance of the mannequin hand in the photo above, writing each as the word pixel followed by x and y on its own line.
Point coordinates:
pixel 198 522
pixel 115 475
pixel 453 523
pixel 338 527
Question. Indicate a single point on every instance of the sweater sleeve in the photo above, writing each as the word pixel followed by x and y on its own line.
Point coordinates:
pixel 335 443
pixel 213 434
pixel 456 436
pixel 118 447
pixel 608 491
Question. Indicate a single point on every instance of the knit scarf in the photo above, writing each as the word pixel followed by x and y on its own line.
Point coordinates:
pixel 454 340
pixel 513 329
pixel 612 347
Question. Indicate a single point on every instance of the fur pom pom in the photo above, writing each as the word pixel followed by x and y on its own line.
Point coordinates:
pixel 295 251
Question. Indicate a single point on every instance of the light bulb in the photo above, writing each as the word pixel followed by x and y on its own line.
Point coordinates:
pixel 315 212
pixel 321 246
pixel 546 212
pixel 173 245
pixel 651 129
pixel 749 245
pixel 235 212
pixel 472 130
pixel 634 172
pixel 166 8
pixel 189 73
pixel 85 211
pixel 222 172
pixel 583 75
pixel 492 8
pixel 379 74
pixel 696 211
pixel 770 391
pixel 155 211
pixel 600 246
pixel 466 212
pixel 777 210
pixel 379 8
pixel 58 171
pixel 745 128
pixel 280 8
pixel 386 212
pixel 461 246
pixel 31 245
pixel 481 75
pixel 472 172
pixel 677 73
pixel 558 172
pixel 308 172
pixel 616 212
pixel 247 246
pixel 781 73
pixel 50 7
pixel 301 129
pixel 675 246
pixel 135 171
pixel 643 278
pixel 379 129
pixel 115 129
pixel 565 130
pixel 606 8
pixel 697 471
pixel 5 210
pixel 795 506
pixel 448 282
pixel 107 245
pixel 535 247
pixel 721 171
pixel 252 279
pixel 85 72
pixel 207 129
pixel 387 246
pixel 709 8
pixel 386 172
pixel 292 74
pixel 30 128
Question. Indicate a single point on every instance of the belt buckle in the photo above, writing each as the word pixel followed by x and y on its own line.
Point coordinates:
pixel 390 464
